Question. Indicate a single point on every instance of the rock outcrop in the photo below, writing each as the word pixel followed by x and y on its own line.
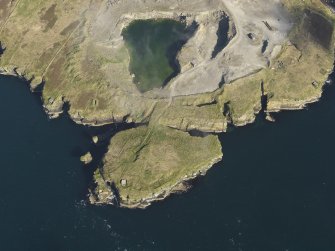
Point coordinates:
pixel 74 52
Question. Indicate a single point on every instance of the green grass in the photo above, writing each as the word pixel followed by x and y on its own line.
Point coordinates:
pixel 154 159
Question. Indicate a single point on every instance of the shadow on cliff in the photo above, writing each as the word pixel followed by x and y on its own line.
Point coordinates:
pixel 2 49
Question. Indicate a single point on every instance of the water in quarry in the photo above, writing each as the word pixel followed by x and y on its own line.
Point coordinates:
pixel 274 190
pixel 153 46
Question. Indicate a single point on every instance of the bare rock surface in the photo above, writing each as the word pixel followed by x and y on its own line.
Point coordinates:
pixel 281 51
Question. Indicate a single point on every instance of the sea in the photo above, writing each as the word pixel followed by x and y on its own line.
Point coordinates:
pixel 273 191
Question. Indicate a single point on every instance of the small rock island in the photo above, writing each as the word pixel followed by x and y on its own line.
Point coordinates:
pixel 179 71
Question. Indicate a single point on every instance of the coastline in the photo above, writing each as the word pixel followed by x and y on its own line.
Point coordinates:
pixel 174 189
pixel 180 185
pixel 100 97
pixel 331 7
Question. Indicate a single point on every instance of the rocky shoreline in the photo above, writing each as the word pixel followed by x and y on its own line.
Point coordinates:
pixel 84 64
pixel 179 187
pixel 329 5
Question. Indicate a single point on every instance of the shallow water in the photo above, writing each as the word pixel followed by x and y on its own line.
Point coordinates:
pixel 275 189
pixel 153 46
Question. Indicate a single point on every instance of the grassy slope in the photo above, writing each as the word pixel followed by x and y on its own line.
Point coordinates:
pixel 298 74
pixel 295 77
pixel 153 160
pixel 54 43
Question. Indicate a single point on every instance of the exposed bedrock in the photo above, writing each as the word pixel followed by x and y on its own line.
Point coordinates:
pixel 74 53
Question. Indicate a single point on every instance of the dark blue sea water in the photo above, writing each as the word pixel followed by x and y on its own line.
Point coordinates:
pixel 275 189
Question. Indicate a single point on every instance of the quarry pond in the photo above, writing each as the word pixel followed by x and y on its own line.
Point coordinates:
pixel 153 46
pixel 273 191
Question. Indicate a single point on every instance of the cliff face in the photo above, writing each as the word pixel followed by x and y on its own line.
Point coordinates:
pixel 74 51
